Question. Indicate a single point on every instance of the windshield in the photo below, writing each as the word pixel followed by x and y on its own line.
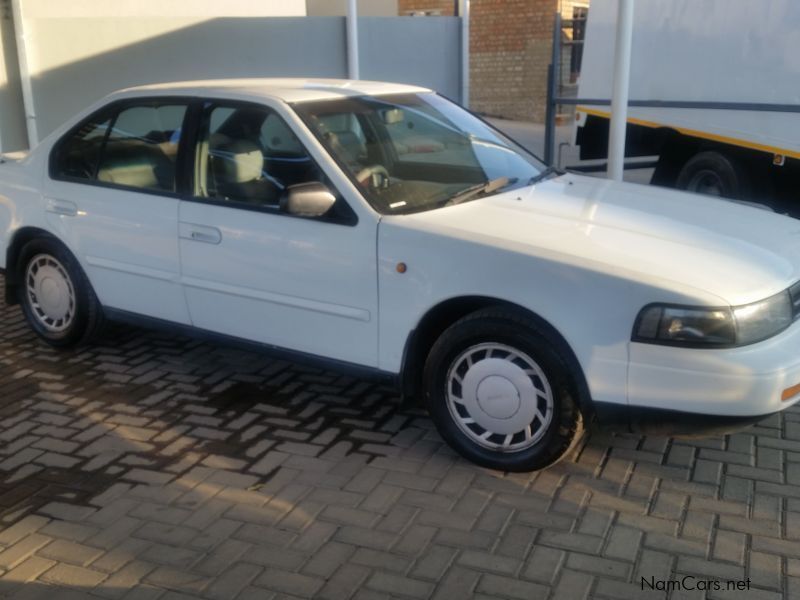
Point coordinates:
pixel 416 152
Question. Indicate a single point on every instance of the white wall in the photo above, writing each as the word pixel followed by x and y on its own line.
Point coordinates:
pixel 65 32
pixel 195 9
pixel 79 51
pixel 12 116
pixel 338 8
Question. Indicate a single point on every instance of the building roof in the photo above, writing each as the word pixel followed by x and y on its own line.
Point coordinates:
pixel 286 89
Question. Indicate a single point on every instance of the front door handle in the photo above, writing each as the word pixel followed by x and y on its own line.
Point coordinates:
pixel 200 233
pixel 62 207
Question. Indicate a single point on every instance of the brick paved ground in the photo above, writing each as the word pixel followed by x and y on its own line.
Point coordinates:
pixel 154 467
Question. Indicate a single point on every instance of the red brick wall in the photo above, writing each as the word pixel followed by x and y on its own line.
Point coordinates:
pixel 445 6
pixel 510 46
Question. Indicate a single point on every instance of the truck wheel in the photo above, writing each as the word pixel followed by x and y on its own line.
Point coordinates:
pixel 56 298
pixel 714 174
pixel 501 394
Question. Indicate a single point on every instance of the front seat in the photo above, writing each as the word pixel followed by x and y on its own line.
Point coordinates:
pixel 237 173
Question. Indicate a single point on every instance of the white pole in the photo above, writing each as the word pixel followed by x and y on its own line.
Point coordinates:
pixel 619 94
pixel 352 39
pixel 463 12
pixel 24 73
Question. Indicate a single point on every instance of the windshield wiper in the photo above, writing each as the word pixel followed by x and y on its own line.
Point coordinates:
pixel 481 189
pixel 545 174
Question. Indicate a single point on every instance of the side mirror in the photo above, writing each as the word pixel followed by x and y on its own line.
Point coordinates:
pixel 312 199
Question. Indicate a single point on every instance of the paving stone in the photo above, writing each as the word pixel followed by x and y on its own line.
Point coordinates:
pixel 385 561
pixel 328 559
pixel 29 524
pixel 572 585
pixel 313 537
pixel 343 583
pixel 652 564
pixel 775 546
pixel 232 581
pixel 495 585
pixel 434 563
pixel 120 582
pixel 170 578
pixel 72 576
pixel 489 562
pixel 286 582
pixel 22 549
pixel 729 546
pixel 149 477
pixel 165 534
pixel 27 570
pixel 765 570
pixel 275 556
pixel 604 567
pixel 70 552
pixel 623 543
pixel 170 555
pixel 402 586
pixel 120 555
pixel 271 461
pixel 156 467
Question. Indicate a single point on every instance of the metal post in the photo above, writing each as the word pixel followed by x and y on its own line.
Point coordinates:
pixel 620 91
pixel 463 13
pixel 553 72
pixel 550 119
pixel 24 73
pixel 352 40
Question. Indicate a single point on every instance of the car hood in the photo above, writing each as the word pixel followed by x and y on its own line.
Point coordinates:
pixel 686 242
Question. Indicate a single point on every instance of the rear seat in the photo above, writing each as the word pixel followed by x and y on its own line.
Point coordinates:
pixel 139 164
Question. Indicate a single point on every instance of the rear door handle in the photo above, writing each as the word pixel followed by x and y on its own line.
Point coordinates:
pixel 200 233
pixel 62 207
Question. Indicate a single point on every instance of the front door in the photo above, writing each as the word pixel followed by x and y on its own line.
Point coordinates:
pixel 251 270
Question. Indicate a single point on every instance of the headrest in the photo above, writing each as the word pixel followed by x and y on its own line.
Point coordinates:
pixel 238 161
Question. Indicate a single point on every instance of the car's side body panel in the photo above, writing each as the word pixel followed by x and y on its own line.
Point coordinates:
pixel 20 200
pixel 591 309
pixel 126 241
pixel 300 284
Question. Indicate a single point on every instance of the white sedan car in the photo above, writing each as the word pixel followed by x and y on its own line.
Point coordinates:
pixel 383 230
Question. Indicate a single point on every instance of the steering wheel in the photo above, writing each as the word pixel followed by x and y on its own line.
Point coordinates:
pixel 375 176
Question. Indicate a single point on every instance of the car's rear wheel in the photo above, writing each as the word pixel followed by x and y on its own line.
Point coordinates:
pixel 501 392
pixel 56 298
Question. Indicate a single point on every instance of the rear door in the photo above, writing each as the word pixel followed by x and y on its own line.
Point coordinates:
pixel 111 196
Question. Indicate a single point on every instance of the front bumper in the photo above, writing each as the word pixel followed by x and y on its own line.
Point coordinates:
pixel 737 382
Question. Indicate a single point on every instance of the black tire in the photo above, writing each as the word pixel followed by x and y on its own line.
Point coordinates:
pixel 717 174
pixel 515 330
pixel 87 315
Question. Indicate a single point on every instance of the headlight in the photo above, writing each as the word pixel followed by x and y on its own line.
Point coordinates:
pixel 700 327
pixel 760 320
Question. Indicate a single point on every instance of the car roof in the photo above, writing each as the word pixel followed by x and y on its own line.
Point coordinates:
pixel 286 89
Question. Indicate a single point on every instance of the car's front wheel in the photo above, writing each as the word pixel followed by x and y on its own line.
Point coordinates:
pixel 501 393
pixel 56 298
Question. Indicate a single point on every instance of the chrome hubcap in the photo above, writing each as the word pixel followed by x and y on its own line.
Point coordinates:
pixel 499 397
pixel 50 292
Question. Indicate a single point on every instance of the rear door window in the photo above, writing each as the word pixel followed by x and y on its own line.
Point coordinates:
pixel 134 146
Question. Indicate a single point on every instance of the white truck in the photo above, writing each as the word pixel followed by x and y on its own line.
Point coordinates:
pixel 714 95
